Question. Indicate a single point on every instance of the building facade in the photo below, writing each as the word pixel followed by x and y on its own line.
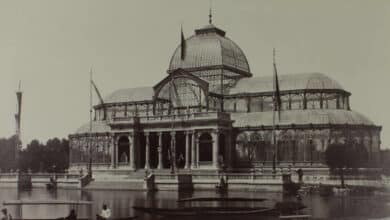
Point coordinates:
pixel 209 112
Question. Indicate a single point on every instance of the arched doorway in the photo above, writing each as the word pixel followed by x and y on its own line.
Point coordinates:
pixel 123 150
pixel 153 150
pixel 180 149
pixel 205 148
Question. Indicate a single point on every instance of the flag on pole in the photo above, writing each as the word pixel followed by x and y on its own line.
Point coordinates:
pixel 183 45
pixel 276 96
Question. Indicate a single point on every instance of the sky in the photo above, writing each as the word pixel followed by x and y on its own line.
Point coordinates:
pixel 50 45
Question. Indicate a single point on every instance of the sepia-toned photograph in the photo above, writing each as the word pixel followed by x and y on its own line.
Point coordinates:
pixel 194 109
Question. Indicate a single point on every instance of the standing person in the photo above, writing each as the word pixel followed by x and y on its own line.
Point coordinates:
pixel 180 161
pixel 105 213
pixel 300 175
pixel 5 215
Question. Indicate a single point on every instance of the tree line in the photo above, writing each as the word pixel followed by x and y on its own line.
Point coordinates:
pixel 36 156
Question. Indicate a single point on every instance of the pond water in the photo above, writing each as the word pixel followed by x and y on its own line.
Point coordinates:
pixel 121 203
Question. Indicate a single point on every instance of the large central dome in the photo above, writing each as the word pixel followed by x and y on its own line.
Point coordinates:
pixel 209 48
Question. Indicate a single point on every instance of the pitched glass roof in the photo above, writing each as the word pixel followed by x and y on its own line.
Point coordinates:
pixel 298 81
pixel 130 95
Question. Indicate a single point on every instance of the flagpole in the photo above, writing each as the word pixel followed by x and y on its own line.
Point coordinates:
pixel 173 135
pixel 90 124
pixel 274 157
pixel 90 101
pixel 275 150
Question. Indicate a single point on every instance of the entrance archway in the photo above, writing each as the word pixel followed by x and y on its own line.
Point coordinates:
pixel 123 150
pixel 205 148
pixel 153 155
pixel 180 149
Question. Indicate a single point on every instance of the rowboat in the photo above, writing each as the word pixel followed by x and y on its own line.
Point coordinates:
pixel 221 199
pixel 199 211
pixel 98 217
pixel 295 217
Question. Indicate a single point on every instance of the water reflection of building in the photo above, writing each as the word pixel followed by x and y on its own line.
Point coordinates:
pixel 213 112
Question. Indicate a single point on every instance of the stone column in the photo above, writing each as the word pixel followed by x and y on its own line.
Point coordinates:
pixel 228 148
pixel 173 149
pixel 304 149
pixel 147 164
pixel 187 164
pixel 116 152
pixel 197 149
pixel 160 152
pixel 215 135
pixel 304 101
pixel 132 151
pixel 113 146
pixel 193 150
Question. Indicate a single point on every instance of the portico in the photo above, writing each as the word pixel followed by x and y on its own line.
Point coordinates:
pixel 158 145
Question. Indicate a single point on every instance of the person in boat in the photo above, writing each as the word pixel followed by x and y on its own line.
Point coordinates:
pixel 72 215
pixel 105 213
pixel 5 214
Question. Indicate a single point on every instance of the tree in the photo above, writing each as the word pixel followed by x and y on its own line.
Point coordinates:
pixel 50 157
pixel 340 156
pixel 7 153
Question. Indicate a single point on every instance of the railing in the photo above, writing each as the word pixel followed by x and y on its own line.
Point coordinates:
pixel 41 175
pixel 8 175
pixel 230 176
pixel 173 117
pixel 269 178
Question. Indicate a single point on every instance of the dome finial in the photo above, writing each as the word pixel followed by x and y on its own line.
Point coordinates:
pixel 210 14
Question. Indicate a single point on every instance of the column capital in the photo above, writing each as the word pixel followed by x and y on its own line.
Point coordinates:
pixel 197 135
pixel 173 133
pixel 188 132
pixel 146 133
pixel 216 131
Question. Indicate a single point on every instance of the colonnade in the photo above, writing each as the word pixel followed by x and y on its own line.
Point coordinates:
pixel 191 148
